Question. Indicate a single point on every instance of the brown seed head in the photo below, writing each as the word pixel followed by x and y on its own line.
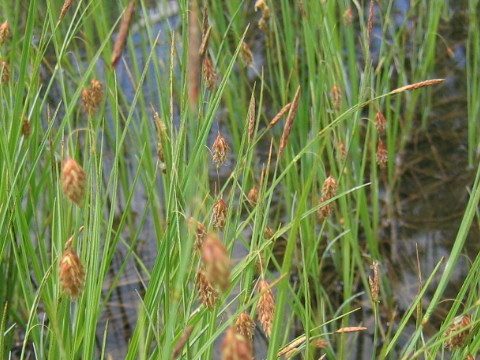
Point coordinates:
pixel 251 119
pixel 220 150
pixel 329 188
pixel 289 122
pixel 266 307
pixel 380 123
pixel 208 295
pixel 122 34
pixel 336 95
pixel 263 22
pixel 348 17
pixel 5 32
pixel 71 273
pixel 74 180
pixel 220 214
pixel 26 128
pixel 5 70
pixel 326 210
pixel 235 346
pixel 194 58
pixel 460 322
pixel 87 101
pixel 277 117
pixel 245 325
pixel 375 282
pixel 209 74
pixel 217 262
pixel 341 150
pixel 200 232
pixel 382 155
pixel 246 54
pixel 253 196
pixel 268 233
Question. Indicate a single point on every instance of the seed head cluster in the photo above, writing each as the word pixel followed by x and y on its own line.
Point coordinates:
pixel 72 274
pixel 5 32
pixel 266 307
pixel 329 190
pixel 216 261
pixel 235 346
pixel 220 150
pixel 92 97
pixel 74 181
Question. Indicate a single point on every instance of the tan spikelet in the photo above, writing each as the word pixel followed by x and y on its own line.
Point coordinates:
pixel 200 232
pixel 253 196
pixel 380 123
pixel 220 150
pixel 26 128
pixel 266 307
pixel 348 17
pixel 371 13
pixel 336 95
pixel 65 7
pixel 204 44
pixel 459 323
pixel 181 342
pixel 382 155
pixel 251 119
pixel 277 117
pixel 350 329
pixel 209 73
pixel 220 211
pixel 289 122
pixel 246 54
pixel 5 70
pixel 375 282
pixel 417 85
pixel 122 34
pixel 292 346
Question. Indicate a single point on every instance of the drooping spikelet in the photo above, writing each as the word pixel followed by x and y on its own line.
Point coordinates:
pixel 253 196
pixel 181 342
pixel 217 262
pixel 220 150
pixel 246 54
pixel 208 295
pixel 371 12
pixel 74 180
pixel 459 323
pixel 5 70
pixel 200 232
pixel 266 307
pixel 382 154
pixel 122 34
pixel 245 325
pixel 277 117
pixel 348 17
pixel 5 32
pixel 336 95
pixel 263 22
pixel 65 7
pixel 26 128
pixel 194 58
pixel 251 119
pixel 289 122
pixel 235 346
pixel 220 214
pixel 380 123
pixel 209 74
pixel 71 273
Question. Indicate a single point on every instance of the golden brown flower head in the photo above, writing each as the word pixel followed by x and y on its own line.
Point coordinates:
pixel 220 150
pixel 74 180
pixel 336 95
pixel 5 70
pixel 208 295
pixel 5 32
pixel 380 123
pixel 217 262
pixel 375 282
pixel 220 214
pixel 253 196
pixel 348 17
pixel 96 88
pixel 26 128
pixel 382 155
pixel 268 233
pixel 341 150
pixel 72 274
pixel 263 22
pixel 326 210
pixel 246 54
pixel 266 307
pixel 235 346
pixel 200 232
pixel 245 325
pixel 459 323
